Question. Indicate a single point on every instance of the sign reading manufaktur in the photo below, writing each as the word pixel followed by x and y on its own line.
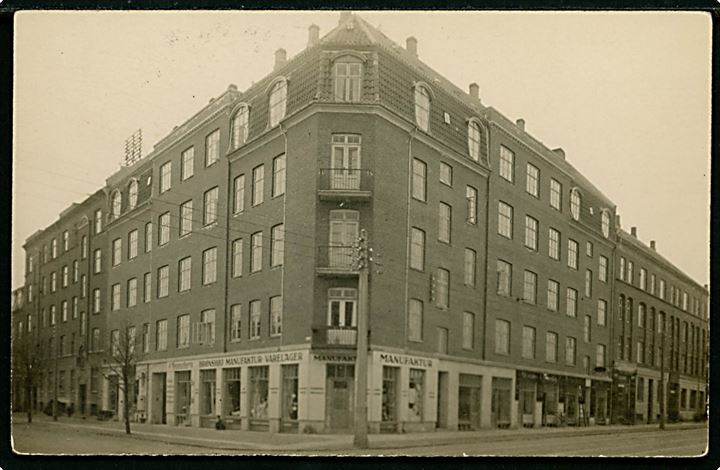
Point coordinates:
pixel 398 359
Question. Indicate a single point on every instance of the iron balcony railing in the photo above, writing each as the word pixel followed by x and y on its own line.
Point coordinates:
pixel 334 336
pixel 345 179
pixel 337 258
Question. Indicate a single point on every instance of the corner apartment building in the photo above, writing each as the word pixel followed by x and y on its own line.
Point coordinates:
pixel 228 255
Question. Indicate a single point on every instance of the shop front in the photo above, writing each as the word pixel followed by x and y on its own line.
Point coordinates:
pixel 469 402
pixel 529 399
pixel 548 390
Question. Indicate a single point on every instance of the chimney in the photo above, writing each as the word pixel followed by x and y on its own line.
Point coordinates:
pixel 633 231
pixel 313 35
pixel 474 90
pixel 411 45
pixel 520 123
pixel 617 220
pixel 559 152
pixel 652 244
pixel 280 58
pixel 345 16
pixel 232 87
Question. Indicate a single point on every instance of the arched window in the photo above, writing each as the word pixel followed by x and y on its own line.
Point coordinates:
pixel 474 140
pixel 422 107
pixel 133 193
pixel 575 203
pixel 116 204
pixel 605 223
pixel 240 126
pixel 347 74
pixel 278 102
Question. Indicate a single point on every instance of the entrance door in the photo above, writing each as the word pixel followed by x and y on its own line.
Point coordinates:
pixel 650 417
pixel 113 395
pixel 442 400
pixel 159 384
pixel 81 392
pixel 346 162
pixel 339 396
pixel 500 405
pixel 344 227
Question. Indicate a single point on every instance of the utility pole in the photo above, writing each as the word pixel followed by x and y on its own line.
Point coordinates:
pixel 55 372
pixel 662 374
pixel 360 439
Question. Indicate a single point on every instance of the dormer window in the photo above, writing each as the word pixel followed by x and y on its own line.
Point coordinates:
pixel 422 107
pixel 278 102
pixel 240 126
pixel 605 223
pixel 116 204
pixel 348 79
pixel 575 203
pixel 133 193
pixel 474 140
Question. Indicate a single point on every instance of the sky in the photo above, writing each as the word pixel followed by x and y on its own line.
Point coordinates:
pixel 626 95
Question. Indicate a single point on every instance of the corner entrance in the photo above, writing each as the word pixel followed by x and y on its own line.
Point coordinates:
pixel 339 396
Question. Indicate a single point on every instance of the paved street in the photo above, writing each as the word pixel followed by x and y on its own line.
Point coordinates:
pixel 75 436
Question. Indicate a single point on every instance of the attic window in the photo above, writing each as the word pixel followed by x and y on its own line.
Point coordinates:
pixel 446 117
pixel 278 102
pixel 347 73
pixel 422 106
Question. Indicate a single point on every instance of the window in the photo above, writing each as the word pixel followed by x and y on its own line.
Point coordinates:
pixel 532 180
pixel 470 267
pixel 502 337
pixel 643 279
pixel 65 276
pixel 183 331
pixel 444 222
pixel 209 273
pixel 419 185
pixel 163 281
pixel 602 268
pixel 210 206
pixel 348 79
pixel 64 311
pixel 240 126
pixel 132 244
pixel 165 177
pixel 641 315
pixel 551 346
pixel 278 102
pixel 652 284
pixel 474 137
pixel 147 286
pixel 554 244
pixel 555 194
pixel 115 297
pixel 443 288
pixel 570 344
pixel 445 174
pixel 531 233
pixel 187 163
pixel 95 303
pixel 75 308
pixel 505 219
pixel 572 260
pixel 239 194
pixel 186 215
pixel 571 309
pixel 575 203
pixel 528 342
pixel 53 315
pixel 237 257
pixel 53 249
pixel 276 311
pixel 640 352
pixel 344 169
pixel 95 342
pixel 422 107
pixel 207 322
pixel 98 221
pixel 97 261
pixel 66 241
pixel 468 332
pixel 133 193
pixel 53 281
pixel 605 223
pixel 277 245
pixel 83 249
pixel 258 185
pixel 601 312
pixel 116 251
pixel 600 355
pixel 161 335
pixel 341 307
pixel 553 295
pixel 587 328
pixel 530 287
pixel 184 274
pixel 235 322
pixel 148 237
pixel 256 243
pixel 471 195
pixel 115 206
pixel 662 289
pixel 417 249
pixel 254 319
pixel 164 228
pixel 75 277
pixel 630 276
pixel 588 283
pixel 504 279
pixel 415 320
pixel 212 147
pixel 278 175
pixel 132 292
pixel 115 342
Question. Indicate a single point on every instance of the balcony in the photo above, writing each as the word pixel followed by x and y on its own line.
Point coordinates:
pixel 334 337
pixel 336 261
pixel 345 184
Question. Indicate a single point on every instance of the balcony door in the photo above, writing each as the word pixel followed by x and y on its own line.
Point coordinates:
pixel 341 307
pixel 344 228
pixel 345 172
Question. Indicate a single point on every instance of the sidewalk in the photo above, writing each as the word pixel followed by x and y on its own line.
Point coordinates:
pixel 263 442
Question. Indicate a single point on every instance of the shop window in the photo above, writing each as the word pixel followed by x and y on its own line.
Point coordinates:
pixel 469 401
pixel 500 405
pixel 416 395
pixel 258 377
pixel 182 396
pixel 290 392
pixel 390 393
pixel 207 392
pixel 232 391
